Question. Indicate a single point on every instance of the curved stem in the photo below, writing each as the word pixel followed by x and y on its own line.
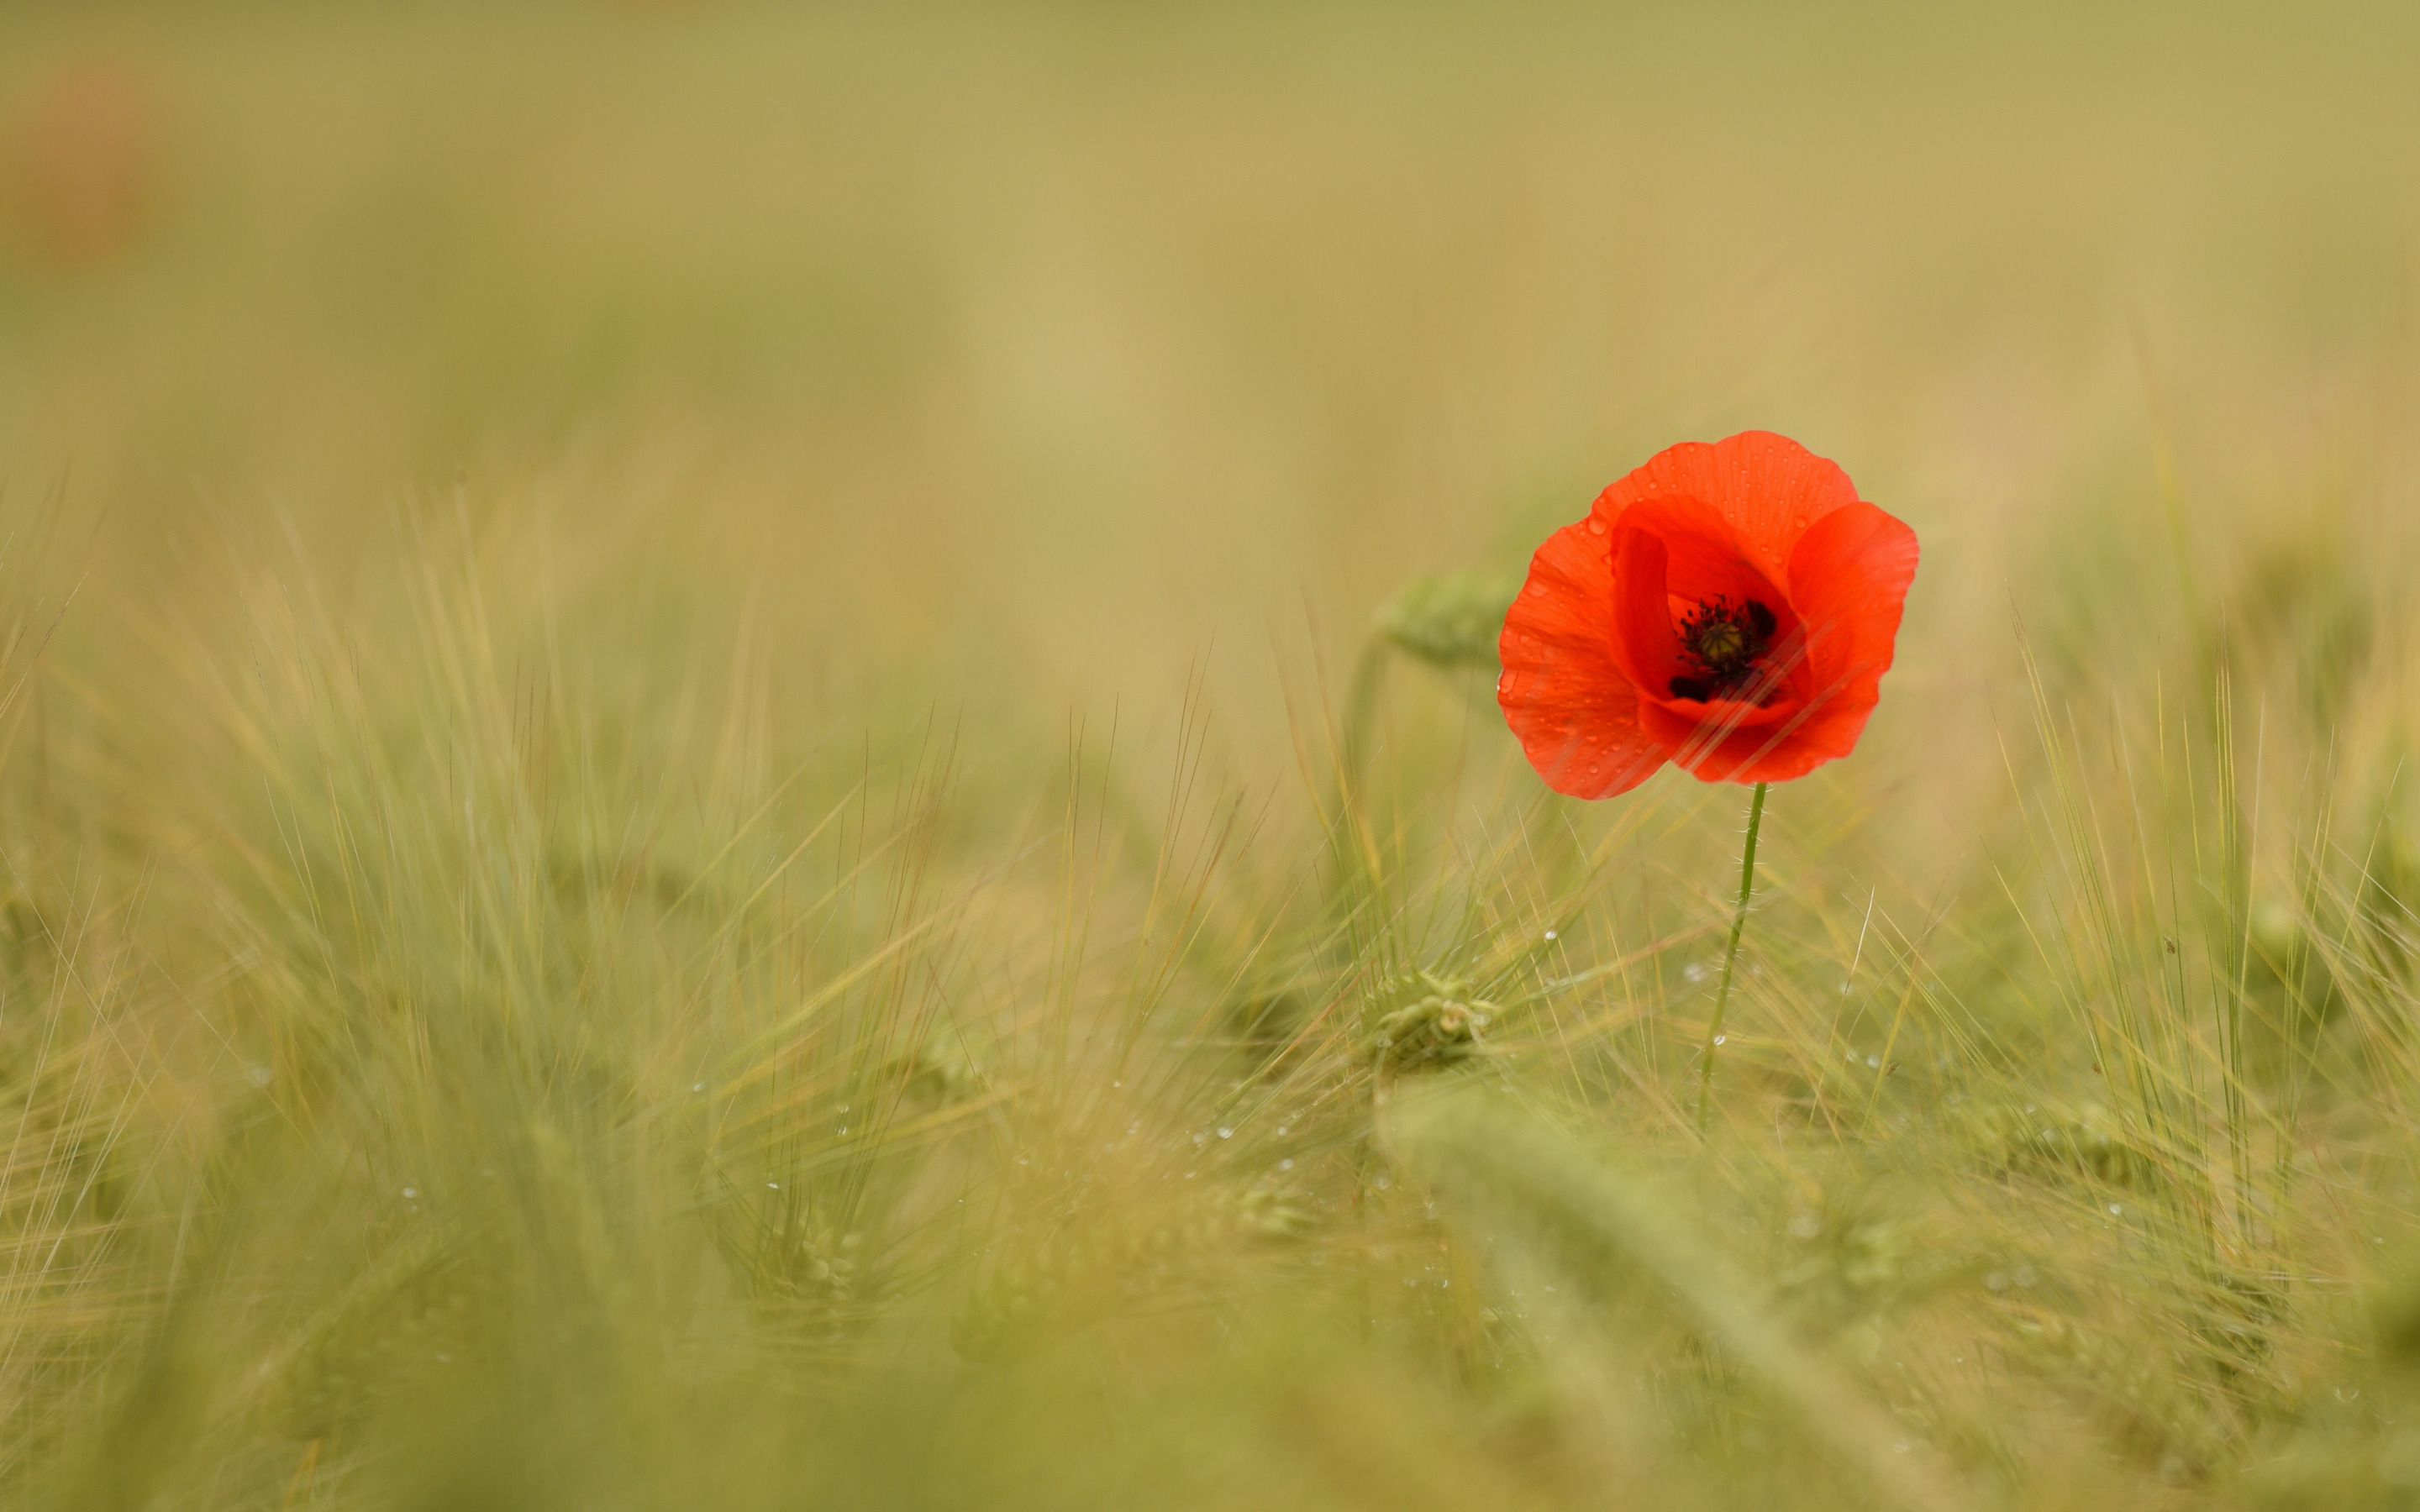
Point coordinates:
pixel 1730 959
pixel 1349 840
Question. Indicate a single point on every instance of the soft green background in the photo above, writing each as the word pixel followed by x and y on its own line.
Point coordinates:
pixel 725 638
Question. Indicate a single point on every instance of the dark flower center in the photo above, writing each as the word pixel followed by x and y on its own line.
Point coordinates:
pixel 1721 642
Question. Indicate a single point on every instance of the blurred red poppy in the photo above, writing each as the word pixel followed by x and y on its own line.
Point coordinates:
pixel 78 174
pixel 1730 607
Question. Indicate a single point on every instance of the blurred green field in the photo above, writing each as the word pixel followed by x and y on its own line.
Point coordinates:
pixel 712 775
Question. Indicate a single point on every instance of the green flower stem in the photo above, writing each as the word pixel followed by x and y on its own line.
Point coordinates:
pixel 1730 959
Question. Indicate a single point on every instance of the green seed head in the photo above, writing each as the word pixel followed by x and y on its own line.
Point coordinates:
pixel 1449 621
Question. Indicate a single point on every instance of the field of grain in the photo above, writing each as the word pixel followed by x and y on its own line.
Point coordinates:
pixel 733 737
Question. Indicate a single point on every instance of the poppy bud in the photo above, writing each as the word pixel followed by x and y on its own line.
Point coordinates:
pixel 1450 619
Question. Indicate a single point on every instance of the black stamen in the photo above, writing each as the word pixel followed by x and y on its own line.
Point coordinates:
pixel 1723 642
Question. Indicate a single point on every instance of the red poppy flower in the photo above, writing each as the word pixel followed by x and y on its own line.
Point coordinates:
pixel 1730 607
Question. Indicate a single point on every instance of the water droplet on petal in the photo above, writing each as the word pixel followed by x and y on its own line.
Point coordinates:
pixel 1596 526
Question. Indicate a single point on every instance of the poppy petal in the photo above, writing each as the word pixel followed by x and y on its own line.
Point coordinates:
pixel 1573 709
pixel 1850 578
pixel 1704 556
pixel 1704 562
pixel 1645 645
pixel 1720 750
pixel 1767 488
